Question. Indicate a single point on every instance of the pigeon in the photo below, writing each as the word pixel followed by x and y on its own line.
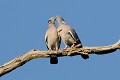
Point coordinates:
pixel 69 35
pixel 52 39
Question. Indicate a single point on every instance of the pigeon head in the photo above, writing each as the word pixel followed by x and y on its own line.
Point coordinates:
pixel 60 19
pixel 51 20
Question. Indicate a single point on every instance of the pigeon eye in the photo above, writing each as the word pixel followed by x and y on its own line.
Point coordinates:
pixel 49 21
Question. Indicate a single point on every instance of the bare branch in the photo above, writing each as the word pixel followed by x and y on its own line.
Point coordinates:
pixel 33 54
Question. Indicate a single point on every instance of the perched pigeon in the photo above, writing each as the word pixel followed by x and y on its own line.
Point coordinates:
pixel 68 35
pixel 52 39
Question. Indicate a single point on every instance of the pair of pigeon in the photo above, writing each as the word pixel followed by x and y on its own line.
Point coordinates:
pixel 54 35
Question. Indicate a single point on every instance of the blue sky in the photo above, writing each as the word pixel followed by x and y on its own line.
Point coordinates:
pixel 23 24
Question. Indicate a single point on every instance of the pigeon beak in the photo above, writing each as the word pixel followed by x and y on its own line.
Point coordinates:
pixel 55 19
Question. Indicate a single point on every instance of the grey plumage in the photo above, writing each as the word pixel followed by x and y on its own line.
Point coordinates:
pixel 68 35
pixel 52 39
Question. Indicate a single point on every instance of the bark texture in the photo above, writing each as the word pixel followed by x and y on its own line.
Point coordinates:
pixel 33 54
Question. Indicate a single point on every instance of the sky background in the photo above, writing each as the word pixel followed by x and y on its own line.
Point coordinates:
pixel 23 24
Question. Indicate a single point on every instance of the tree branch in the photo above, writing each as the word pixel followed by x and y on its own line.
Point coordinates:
pixel 33 54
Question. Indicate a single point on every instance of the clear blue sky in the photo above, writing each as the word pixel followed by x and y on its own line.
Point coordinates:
pixel 23 24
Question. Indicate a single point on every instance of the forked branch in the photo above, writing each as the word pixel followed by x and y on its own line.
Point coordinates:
pixel 33 54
